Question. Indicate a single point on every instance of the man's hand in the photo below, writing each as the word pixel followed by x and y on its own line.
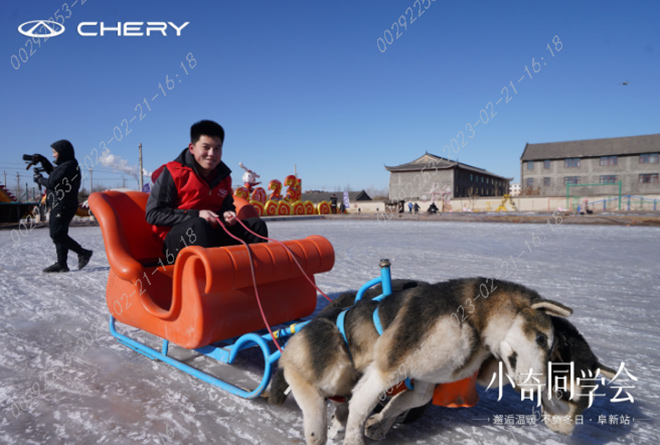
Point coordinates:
pixel 229 217
pixel 209 216
pixel 37 177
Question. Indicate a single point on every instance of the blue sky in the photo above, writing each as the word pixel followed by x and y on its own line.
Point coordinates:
pixel 307 85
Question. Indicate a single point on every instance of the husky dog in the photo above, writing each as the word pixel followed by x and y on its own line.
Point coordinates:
pixel 432 333
pixel 571 347
pixel 561 405
pixel 322 349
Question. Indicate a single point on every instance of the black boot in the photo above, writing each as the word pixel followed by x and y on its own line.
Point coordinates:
pixel 57 267
pixel 83 258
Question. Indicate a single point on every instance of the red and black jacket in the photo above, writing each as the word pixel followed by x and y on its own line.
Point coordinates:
pixel 180 192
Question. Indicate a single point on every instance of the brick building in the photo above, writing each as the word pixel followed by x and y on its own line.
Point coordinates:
pixel 429 174
pixel 545 169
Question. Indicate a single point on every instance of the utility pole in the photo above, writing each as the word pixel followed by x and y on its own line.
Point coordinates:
pixel 141 178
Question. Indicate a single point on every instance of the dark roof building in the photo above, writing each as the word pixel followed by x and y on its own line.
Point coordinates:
pixel 318 196
pixel 428 176
pixel 547 169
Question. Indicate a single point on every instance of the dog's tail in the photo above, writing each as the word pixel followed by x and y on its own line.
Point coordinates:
pixel 278 388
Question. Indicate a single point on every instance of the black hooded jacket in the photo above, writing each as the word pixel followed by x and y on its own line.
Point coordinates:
pixel 63 181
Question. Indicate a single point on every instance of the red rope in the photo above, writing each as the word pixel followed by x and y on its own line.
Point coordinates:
pixel 254 281
pixel 290 253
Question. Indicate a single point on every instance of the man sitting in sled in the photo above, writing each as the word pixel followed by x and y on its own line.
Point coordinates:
pixel 191 192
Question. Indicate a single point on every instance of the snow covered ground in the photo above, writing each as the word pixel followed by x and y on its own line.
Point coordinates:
pixel 66 380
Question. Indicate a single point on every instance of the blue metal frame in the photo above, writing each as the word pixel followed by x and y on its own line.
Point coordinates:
pixel 227 351
pixel 222 353
pixel 385 280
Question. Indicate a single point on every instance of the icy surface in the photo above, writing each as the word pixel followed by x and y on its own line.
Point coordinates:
pixel 66 380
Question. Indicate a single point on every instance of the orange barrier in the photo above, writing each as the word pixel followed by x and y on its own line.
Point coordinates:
pixel 207 295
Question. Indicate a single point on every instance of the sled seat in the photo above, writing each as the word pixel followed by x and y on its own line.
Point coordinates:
pixel 207 295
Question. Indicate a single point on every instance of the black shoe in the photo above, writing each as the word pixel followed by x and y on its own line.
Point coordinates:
pixel 57 267
pixel 83 258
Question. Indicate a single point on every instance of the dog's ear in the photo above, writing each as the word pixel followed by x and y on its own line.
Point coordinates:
pixel 552 308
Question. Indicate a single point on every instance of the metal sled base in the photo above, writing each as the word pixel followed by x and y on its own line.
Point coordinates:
pixel 224 352
pixel 227 350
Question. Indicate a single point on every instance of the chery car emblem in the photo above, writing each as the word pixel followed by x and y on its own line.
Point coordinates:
pixel 46 28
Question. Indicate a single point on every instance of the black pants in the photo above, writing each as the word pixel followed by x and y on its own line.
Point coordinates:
pixel 199 232
pixel 60 218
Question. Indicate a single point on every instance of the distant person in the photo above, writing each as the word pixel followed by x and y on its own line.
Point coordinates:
pixel 191 192
pixel 410 207
pixel 342 208
pixel 416 208
pixel 62 187
pixel 333 203
pixel 433 209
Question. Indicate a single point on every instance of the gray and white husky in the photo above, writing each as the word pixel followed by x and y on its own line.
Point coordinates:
pixel 432 333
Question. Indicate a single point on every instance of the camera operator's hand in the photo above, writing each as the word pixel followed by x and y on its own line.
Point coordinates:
pixel 37 158
pixel 45 163
pixel 37 177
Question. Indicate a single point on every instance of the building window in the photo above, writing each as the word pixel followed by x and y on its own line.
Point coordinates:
pixel 648 178
pixel 546 182
pixel 530 165
pixel 530 182
pixel 571 162
pixel 546 164
pixel 608 179
pixel 608 160
pixel 571 180
pixel 648 158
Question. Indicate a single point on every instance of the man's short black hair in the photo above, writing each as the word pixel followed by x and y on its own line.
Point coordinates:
pixel 206 128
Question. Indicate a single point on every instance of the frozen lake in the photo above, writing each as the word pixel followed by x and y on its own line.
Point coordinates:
pixel 66 380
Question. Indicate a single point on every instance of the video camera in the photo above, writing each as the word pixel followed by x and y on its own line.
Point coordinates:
pixel 33 160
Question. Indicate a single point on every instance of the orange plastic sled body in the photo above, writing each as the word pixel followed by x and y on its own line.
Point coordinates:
pixel 458 394
pixel 207 295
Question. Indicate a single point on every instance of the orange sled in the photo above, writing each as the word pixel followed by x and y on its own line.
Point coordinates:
pixel 206 301
pixel 206 298
pixel 459 394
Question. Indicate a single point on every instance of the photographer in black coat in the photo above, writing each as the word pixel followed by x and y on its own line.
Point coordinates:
pixel 62 187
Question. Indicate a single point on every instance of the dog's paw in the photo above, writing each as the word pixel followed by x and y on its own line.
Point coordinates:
pixel 373 429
